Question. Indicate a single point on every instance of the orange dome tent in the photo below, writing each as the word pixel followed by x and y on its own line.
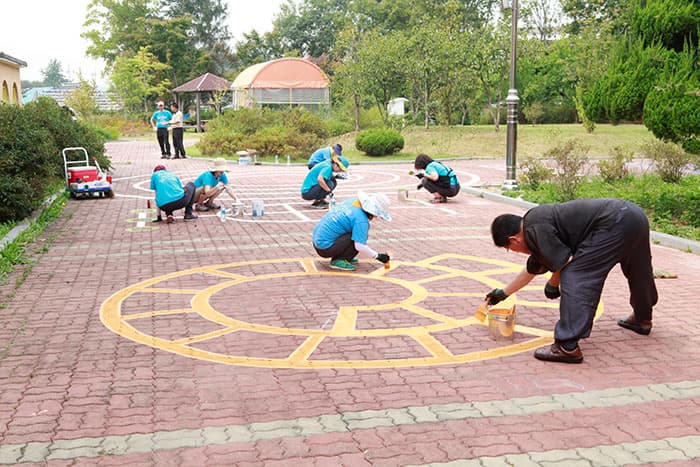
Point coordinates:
pixel 286 81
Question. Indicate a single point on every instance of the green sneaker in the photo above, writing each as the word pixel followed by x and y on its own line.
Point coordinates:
pixel 342 264
pixel 354 261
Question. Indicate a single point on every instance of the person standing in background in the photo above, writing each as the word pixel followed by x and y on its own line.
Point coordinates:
pixel 177 126
pixel 160 121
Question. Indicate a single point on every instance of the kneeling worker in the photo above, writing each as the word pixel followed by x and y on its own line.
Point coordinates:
pixel 342 233
pixel 320 181
pixel 437 178
pixel 211 184
pixel 170 194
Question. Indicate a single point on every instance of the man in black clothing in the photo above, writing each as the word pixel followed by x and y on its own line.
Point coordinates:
pixel 579 242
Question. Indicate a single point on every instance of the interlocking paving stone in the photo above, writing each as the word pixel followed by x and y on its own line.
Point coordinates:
pixel 73 389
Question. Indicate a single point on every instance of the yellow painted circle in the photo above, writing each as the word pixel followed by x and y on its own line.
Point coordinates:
pixel 303 343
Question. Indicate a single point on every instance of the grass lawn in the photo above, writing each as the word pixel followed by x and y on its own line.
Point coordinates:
pixel 481 141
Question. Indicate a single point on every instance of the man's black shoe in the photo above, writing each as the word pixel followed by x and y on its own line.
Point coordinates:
pixel 640 327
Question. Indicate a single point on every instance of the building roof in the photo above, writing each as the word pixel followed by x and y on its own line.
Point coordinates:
pixel 283 73
pixel 206 82
pixel 12 60
pixel 103 99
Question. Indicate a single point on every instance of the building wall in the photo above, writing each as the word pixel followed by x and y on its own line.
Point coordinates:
pixel 10 84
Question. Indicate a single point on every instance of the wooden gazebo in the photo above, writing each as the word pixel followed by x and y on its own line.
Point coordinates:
pixel 205 83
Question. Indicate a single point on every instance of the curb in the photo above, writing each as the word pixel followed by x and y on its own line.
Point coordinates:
pixel 678 243
pixel 25 223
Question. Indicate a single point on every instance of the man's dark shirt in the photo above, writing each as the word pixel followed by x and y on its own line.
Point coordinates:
pixel 553 232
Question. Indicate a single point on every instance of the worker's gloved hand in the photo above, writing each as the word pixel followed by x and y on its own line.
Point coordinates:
pixel 496 296
pixel 158 219
pixel 551 291
pixel 383 258
pixel 420 175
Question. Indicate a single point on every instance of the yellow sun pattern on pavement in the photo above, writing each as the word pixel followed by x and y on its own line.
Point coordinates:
pixel 435 352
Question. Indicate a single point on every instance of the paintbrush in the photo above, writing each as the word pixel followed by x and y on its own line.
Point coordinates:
pixel 481 311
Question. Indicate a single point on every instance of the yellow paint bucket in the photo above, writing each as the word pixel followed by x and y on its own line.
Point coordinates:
pixel 502 323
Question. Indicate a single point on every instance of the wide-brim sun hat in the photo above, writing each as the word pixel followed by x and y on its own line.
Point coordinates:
pixel 345 162
pixel 376 204
pixel 340 163
pixel 219 165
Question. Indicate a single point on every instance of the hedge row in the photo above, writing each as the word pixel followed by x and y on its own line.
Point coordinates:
pixel 31 139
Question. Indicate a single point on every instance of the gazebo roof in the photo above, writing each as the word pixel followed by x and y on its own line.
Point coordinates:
pixel 206 82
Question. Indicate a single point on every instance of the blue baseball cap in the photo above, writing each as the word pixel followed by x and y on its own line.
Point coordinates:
pixel 338 149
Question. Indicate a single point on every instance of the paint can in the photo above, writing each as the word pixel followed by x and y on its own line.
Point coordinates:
pixel 237 209
pixel 502 323
pixel 403 194
pixel 258 208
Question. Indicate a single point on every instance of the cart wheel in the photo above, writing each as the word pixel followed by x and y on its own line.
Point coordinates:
pixel 109 193
pixel 73 195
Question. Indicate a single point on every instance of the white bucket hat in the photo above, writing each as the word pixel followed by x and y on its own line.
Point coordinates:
pixel 376 204
pixel 219 165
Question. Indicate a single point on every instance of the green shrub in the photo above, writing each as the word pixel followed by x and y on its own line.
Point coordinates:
pixel 534 112
pixel 533 172
pixel 31 139
pixel 615 168
pixel 670 159
pixel 379 141
pixel 672 108
pixel 571 159
pixel 294 132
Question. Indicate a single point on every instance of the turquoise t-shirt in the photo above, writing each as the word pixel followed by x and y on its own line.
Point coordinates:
pixel 208 179
pixel 162 117
pixel 441 170
pixel 320 155
pixel 168 187
pixel 343 219
pixel 325 169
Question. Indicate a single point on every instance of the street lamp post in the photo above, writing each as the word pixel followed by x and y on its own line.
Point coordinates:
pixel 512 102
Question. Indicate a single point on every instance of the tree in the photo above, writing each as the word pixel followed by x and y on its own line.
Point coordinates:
pixel 208 20
pixel 53 74
pixel 428 63
pixel 114 27
pixel 82 99
pixel 139 79
pixel 382 68
pixel 488 61
pixel 672 108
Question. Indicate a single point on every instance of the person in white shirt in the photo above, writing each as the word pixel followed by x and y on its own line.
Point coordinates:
pixel 176 124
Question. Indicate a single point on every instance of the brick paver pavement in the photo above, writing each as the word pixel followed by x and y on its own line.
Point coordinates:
pixel 210 343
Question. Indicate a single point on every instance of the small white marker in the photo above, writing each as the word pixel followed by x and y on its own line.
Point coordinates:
pixel 142 215
pixel 140 224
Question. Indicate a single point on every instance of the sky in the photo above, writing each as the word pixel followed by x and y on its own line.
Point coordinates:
pixel 42 30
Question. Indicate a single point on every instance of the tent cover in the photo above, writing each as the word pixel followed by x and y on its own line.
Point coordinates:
pixel 287 81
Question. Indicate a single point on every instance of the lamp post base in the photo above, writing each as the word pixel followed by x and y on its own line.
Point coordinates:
pixel 510 185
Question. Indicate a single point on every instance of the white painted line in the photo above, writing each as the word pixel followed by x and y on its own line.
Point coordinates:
pixel 300 215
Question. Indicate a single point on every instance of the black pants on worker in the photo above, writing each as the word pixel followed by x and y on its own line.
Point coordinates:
pixel 162 134
pixel 317 192
pixel 177 142
pixel 432 187
pixel 625 242
pixel 184 202
pixel 342 248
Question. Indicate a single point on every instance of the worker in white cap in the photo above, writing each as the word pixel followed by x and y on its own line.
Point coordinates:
pixel 211 184
pixel 342 233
